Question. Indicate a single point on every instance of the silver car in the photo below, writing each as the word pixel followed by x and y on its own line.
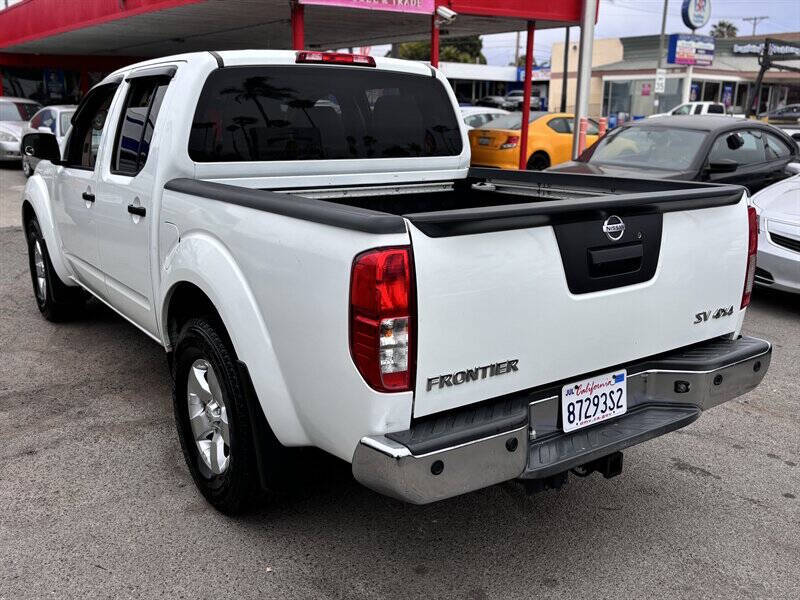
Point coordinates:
pixel 14 116
pixel 778 208
pixel 51 119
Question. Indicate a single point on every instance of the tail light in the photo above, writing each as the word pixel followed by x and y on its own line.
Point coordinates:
pixel 752 251
pixel 511 142
pixel 335 58
pixel 382 319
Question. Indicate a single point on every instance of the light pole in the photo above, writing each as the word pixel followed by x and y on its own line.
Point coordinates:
pixel 584 71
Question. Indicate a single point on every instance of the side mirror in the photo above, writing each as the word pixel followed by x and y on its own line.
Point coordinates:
pixel 796 136
pixel 724 165
pixel 792 168
pixel 735 141
pixel 43 146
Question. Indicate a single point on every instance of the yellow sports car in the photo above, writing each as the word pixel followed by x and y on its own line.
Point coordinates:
pixel 549 141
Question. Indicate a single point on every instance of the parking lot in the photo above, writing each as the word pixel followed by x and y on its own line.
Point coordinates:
pixel 96 502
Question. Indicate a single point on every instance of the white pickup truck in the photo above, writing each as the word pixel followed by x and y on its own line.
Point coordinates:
pixel 303 235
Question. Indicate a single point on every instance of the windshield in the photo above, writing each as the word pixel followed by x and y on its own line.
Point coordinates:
pixel 18 111
pixel 512 121
pixel 66 117
pixel 653 147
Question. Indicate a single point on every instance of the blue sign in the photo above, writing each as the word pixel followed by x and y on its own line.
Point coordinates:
pixel 688 49
pixel 54 83
pixel 696 13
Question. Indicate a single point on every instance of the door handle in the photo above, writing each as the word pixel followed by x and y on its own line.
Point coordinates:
pixel 88 197
pixel 137 210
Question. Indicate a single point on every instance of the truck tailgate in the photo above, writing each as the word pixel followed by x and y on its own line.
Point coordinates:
pixel 502 311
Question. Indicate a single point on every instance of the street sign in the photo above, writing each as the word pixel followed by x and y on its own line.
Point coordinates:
pixel 661 81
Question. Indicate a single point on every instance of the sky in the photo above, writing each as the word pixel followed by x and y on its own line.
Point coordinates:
pixel 620 18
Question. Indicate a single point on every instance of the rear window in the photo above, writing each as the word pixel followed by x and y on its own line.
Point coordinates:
pixel 513 120
pixel 716 109
pixel 18 111
pixel 274 113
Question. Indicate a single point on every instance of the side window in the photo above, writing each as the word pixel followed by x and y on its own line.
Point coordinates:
pixel 559 125
pixel 776 147
pixel 137 123
pixel 592 128
pixel 49 120
pixel 698 110
pixel 90 121
pixel 683 109
pixel 751 150
pixel 716 109
pixel 474 120
pixel 36 121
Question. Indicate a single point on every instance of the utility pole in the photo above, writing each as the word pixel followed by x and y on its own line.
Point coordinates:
pixel 516 52
pixel 661 52
pixel 566 71
pixel 755 21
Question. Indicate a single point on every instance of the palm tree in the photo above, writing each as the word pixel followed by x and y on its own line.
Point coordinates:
pixel 724 29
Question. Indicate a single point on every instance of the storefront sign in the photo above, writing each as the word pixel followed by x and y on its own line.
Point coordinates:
pixel 407 6
pixel 696 13
pixel 685 49
pixel 537 74
pixel 774 49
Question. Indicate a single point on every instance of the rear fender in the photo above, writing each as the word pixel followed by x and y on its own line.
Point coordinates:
pixel 204 261
pixel 37 196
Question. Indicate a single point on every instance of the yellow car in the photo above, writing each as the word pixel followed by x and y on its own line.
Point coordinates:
pixel 549 141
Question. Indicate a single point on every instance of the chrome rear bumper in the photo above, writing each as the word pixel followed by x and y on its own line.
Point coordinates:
pixel 664 394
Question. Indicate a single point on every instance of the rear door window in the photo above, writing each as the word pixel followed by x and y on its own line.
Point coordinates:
pixel 776 147
pixel 559 125
pixel 137 123
pixel 272 113
pixel 716 109
pixel 750 152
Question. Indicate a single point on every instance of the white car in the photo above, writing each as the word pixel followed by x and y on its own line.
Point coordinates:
pixel 778 208
pixel 477 116
pixel 14 116
pixel 51 119
pixel 323 269
pixel 696 108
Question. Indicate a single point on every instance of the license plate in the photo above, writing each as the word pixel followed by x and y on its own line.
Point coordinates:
pixel 484 141
pixel 594 400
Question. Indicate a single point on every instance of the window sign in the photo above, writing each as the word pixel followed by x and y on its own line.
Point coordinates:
pixel 646 87
pixel 694 92
pixel 54 83
pixel 727 95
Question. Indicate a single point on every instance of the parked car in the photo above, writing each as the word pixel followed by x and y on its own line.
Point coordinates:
pixel 514 99
pixel 695 108
pixel 492 101
pixel 549 140
pixel 778 208
pixel 789 114
pixel 14 116
pixel 52 119
pixel 354 286
pixel 702 148
pixel 478 116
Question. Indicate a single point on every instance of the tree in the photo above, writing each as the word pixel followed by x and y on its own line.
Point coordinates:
pixel 458 49
pixel 724 29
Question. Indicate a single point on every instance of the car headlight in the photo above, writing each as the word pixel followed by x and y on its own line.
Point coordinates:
pixel 7 137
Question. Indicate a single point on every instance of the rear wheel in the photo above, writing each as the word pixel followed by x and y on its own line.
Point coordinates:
pixel 538 161
pixel 211 413
pixel 56 301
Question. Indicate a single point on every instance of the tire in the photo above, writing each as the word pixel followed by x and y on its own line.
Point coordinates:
pixel 56 300
pixel 538 161
pixel 207 383
pixel 26 168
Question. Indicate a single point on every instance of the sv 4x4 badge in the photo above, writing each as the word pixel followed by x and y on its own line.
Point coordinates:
pixel 704 316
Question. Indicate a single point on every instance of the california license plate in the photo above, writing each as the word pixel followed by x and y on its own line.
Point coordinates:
pixel 594 400
pixel 484 141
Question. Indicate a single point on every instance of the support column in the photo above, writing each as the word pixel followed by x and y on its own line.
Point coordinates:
pixel 687 85
pixel 298 26
pixel 526 98
pixel 434 41
pixel 584 70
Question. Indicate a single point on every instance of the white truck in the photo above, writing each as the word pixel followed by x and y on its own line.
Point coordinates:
pixel 303 235
pixel 698 108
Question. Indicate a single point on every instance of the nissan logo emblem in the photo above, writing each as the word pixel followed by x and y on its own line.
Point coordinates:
pixel 614 228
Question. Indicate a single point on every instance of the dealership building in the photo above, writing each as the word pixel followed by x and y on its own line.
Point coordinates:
pixel 623 75
pixel 53 51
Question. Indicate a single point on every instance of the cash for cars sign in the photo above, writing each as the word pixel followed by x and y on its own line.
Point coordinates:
pixel 407 6
pixel 685 49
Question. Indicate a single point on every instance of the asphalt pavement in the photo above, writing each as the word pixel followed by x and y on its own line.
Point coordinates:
pixel 95 500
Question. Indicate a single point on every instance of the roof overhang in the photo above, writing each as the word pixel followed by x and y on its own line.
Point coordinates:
pixel 147 28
